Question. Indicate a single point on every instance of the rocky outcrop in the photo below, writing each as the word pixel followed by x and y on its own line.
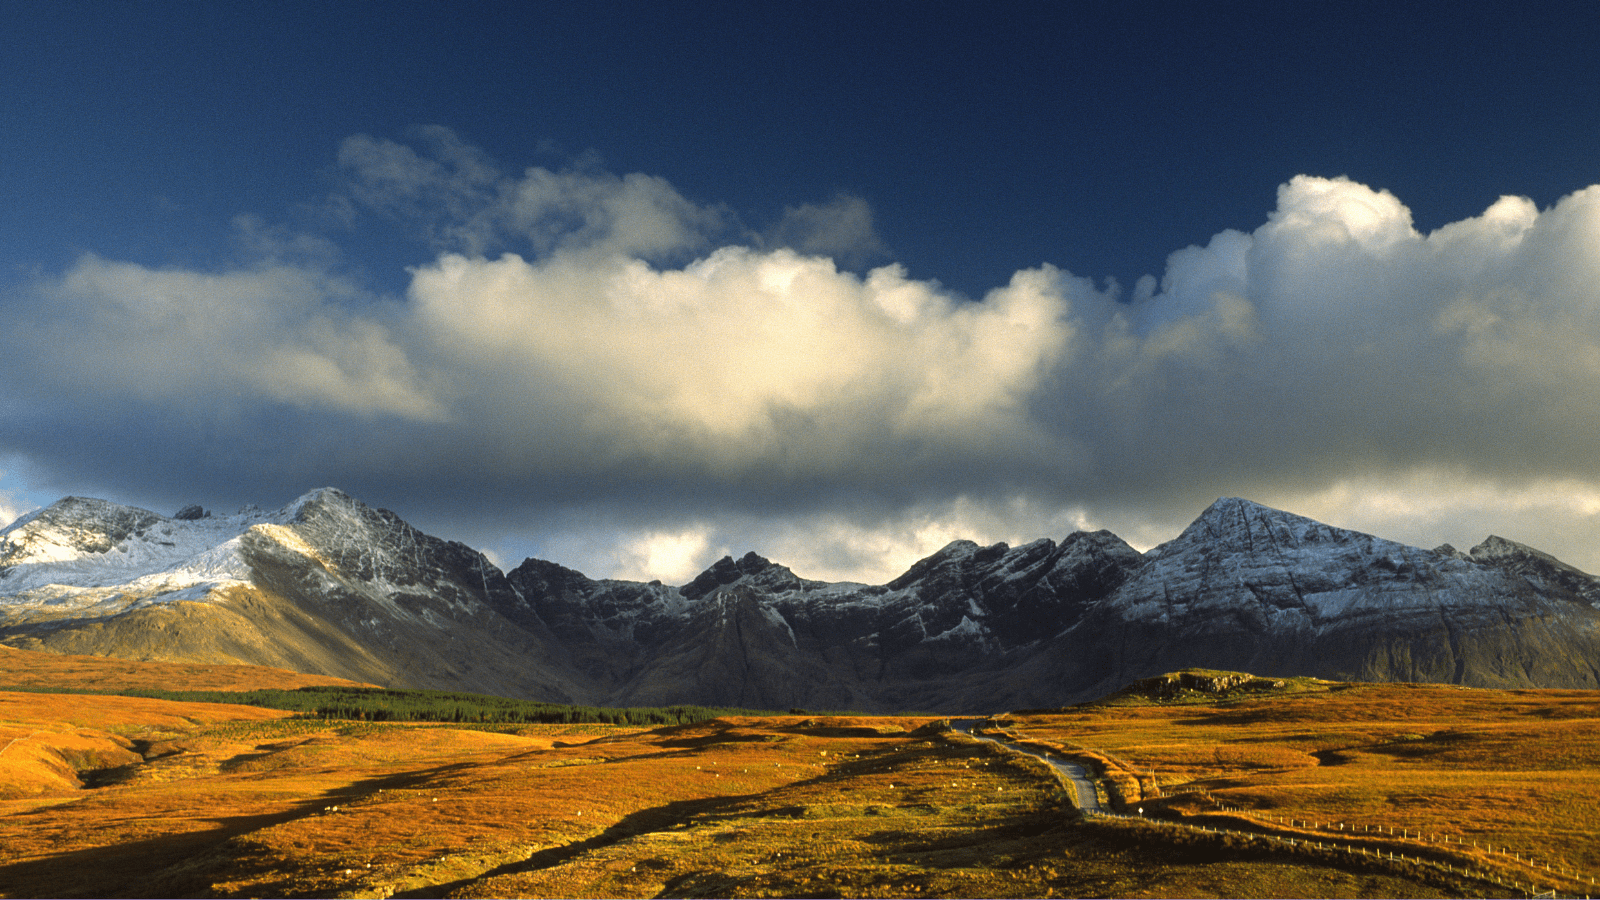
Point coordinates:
pixel 191 513
pixel 1196 683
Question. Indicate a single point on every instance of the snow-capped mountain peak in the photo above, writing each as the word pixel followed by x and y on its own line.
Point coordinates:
pixel 1240 523
pixel 326 583
pixel 83 543
pixel 749 569
pixel 95 555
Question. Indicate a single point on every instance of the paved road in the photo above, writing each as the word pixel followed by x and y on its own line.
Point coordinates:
pixel 1073 773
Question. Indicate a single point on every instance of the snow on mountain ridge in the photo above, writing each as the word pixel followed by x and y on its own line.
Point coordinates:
pixel 354 590
pixel 92 550
pixel 1288 572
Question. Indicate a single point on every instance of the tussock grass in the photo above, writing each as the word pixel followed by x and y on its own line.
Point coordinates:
pixel 1515 770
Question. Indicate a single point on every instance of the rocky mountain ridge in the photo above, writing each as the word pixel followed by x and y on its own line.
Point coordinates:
pixel 329 585
pixel 324 585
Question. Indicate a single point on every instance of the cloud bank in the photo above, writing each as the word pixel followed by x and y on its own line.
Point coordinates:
pixel 593 367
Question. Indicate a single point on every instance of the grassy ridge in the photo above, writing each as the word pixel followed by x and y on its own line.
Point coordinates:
pixel 385 705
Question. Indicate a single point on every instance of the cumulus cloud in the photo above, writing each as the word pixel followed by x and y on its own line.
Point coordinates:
pixel 582 347
pixel 741 365
pixel 1336 338
pixel 111 333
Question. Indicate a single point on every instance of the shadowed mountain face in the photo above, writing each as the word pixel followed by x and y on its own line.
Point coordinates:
pixel 330 586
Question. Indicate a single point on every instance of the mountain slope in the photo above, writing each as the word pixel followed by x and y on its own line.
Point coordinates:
pixel 1250 588
pixel 323 585
pixel 749 632
pixel 328 585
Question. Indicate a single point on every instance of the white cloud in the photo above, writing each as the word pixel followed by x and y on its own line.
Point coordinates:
pixel 674 557
pixel 110 332
pixel 1345 329
pixel 585 339
pixel 740 363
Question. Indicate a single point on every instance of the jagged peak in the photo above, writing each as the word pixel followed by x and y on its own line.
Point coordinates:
pixel 546 576
pixel 726 571
pixel 74 509
pixel 1083 545
pixel 76 524
pixel 1233 520
pixel 1496 547
pixel 1100 538
pixel 949 554
pixel 1499 551
pixel 1229 507
pixel 320 497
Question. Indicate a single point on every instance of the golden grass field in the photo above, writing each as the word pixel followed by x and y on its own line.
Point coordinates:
pixel 113 796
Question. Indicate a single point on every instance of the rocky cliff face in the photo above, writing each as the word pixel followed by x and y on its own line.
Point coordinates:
pixel 329 585
pixel 750 632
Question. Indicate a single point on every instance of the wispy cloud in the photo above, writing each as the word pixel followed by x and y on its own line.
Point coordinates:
pixel 841 229
pixel 467 204
pixel 10 509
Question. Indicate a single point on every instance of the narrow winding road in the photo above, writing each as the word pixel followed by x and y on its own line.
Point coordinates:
pixel 1071 772
pixel 1089 802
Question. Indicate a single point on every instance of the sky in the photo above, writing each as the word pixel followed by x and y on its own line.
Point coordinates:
pixel 633 286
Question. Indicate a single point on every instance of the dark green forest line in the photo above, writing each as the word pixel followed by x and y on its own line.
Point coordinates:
pixel 385 705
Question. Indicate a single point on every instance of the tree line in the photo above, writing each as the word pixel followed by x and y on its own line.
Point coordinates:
pixel 386 705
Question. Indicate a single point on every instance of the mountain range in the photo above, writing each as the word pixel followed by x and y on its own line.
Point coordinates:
pixel 328 585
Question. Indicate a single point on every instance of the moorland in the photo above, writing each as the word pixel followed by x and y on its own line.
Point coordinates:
pixel 1226 785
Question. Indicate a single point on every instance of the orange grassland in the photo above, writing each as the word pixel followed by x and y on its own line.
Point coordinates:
pixel 1504 779
pixel 113 796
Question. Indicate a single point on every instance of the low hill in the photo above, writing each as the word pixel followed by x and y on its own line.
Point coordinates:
pixel 1209 686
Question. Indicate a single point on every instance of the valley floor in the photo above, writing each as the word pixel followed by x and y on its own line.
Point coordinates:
pixel 116 796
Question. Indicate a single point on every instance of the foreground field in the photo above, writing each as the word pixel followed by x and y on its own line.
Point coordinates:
pixel 116 796
pixel 1508 780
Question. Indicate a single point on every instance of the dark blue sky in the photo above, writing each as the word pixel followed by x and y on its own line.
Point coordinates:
pixel 988 137
pixel 226 271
